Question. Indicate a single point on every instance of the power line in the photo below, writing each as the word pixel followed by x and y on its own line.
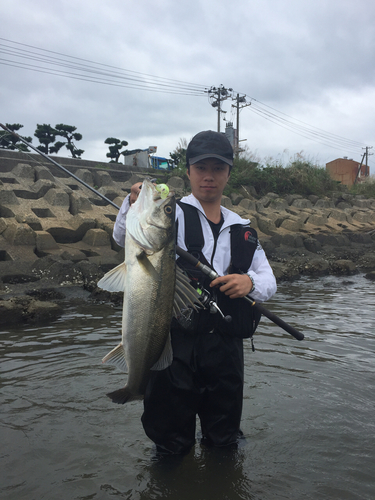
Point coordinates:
pixel 93 62
pixel 297 126
pixel 83 69
pixel 310 126
pixel 325 139
pixel 96 80
pixel 87 70
pixel 59 64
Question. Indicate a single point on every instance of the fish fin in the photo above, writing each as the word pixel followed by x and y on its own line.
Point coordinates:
pixel 134 229
pixel 147 266
pixel 166 357
pixel 185 294
pixel 117 357
pixel 178 303
pixel 114 280
pixel 122 396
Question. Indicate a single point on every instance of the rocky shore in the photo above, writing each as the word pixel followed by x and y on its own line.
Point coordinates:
pixel 56 235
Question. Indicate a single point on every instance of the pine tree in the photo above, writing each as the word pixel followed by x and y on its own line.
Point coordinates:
pixel 114 150
pixel 10 141
pixel 46 135
pixel 69 133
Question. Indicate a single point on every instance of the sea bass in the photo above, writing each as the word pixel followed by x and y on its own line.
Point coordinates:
pixel 148 279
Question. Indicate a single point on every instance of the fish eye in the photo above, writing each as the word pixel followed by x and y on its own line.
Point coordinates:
pixel 168 210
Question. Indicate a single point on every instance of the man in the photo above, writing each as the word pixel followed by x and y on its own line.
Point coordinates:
pixel 207 373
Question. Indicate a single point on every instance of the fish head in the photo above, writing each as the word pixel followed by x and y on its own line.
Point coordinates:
pixel 151 219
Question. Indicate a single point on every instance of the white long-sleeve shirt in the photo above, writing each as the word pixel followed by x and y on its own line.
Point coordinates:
pixel 218 255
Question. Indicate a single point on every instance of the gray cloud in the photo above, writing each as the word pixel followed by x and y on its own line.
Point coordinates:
pixel 312 60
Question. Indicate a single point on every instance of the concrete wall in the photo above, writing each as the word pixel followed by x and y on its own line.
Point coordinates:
pixel 118 171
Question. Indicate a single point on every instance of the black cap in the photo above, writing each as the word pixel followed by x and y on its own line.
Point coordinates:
pixel 209 144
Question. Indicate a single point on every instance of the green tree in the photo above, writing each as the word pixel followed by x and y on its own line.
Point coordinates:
pixel 178 157
pixel 69 133
pixel 114 149
pixel 10 141
pixel 47 136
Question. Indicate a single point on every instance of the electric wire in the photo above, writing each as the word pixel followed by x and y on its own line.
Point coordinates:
pixel 354 143
pixel 58 64
pixel 88 69
pixel 98 80
pixel 99 64
pixel 83 69
pixel 320 138
pixel 144 84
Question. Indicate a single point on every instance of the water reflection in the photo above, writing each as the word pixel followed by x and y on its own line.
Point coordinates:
pixel 203 474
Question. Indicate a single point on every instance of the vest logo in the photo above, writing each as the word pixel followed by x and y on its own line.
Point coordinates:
pixel 250 237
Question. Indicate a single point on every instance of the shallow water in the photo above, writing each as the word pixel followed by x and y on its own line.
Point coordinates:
pixel 308 416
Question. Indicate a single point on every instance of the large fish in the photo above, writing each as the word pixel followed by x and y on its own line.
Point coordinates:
pixel 148 279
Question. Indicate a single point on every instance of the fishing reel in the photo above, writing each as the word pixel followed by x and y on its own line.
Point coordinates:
pixel 208 301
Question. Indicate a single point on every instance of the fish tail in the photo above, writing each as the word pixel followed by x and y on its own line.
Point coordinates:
pixel 122 396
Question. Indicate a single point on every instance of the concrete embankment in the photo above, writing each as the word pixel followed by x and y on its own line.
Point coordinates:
pixel 56 233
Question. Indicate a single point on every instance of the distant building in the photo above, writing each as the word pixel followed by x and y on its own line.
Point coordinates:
pixel 137 158
pixel 144 158
pixel 346 171
pixel 232 135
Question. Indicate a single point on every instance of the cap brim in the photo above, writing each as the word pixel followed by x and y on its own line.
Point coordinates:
pixel 196 159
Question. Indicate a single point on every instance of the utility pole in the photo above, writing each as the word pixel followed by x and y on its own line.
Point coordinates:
pixel 217 96
pixel 359 168
pixel 239 100
pixel 367 154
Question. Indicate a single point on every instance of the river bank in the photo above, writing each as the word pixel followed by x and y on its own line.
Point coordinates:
pixel 56 234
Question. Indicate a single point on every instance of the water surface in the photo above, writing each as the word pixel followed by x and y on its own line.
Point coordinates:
pixel 308 416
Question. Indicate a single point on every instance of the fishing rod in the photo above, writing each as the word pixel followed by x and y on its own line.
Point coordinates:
pixel 213 275
pixel 180 252
pixel 59 166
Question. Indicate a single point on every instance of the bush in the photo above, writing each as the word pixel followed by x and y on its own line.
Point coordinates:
pixel 365 188
pixel 299 176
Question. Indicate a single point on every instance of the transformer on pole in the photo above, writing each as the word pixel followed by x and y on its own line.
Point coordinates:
pixel 217 95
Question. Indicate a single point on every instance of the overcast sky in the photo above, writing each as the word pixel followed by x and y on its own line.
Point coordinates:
pixel 305 65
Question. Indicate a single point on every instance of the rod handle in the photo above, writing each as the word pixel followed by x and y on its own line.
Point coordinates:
pixel 278 321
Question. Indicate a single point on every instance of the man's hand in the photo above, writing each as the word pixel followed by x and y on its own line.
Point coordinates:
pixel 134 192
pixel 233 285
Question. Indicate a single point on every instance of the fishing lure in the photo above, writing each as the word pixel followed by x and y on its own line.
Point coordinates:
pixel 163 190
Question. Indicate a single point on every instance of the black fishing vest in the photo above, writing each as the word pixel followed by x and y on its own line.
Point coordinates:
pixel 244 242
